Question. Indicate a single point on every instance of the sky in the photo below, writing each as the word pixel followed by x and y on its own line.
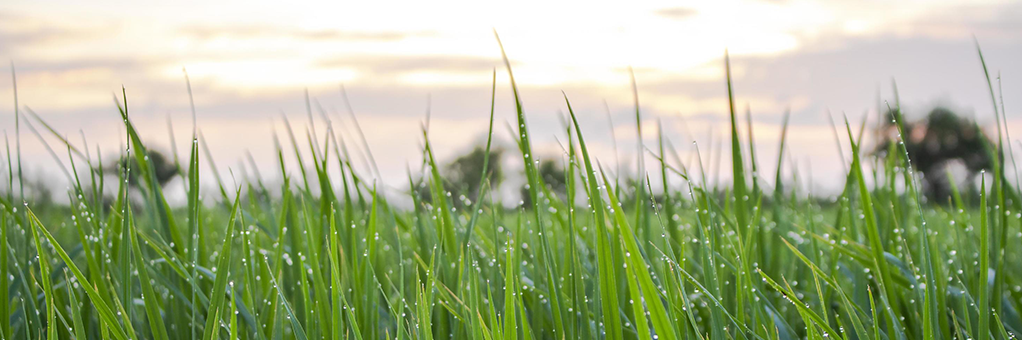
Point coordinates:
pixel 251 63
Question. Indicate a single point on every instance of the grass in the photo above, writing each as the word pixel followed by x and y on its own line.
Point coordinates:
pixel 695 262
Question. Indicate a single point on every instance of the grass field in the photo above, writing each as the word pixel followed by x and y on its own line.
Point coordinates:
pixel 323 256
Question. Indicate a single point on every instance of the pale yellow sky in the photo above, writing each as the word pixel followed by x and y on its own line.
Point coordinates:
pixel 250 61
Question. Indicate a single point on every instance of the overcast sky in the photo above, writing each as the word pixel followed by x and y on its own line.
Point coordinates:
pixel 251 61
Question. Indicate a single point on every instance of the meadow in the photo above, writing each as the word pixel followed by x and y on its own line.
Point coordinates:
pixel 321 256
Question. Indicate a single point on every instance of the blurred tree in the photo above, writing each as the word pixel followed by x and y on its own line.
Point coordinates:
pixel 936 143
pixel 164 168
pixel 463 174
pixel 552 174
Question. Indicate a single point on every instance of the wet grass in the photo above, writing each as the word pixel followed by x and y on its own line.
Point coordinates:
pixel 327 256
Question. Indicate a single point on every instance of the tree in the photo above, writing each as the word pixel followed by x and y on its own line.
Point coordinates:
pixel 165 170
pixel 934 144
pixel 463 174
pixel 552 175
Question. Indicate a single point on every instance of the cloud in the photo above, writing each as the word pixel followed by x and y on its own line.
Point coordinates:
pixel 20 31
pixel 677 13
pixel 207 32
pixel 999 22
pixel 392 64
pixel 846 78
pixel 65 65
pixel 72 84
pixel 17 31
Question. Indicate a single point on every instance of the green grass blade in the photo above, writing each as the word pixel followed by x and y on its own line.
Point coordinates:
pixel 607 269
pixel 106 315
pixel 222 274
pixel 149 297
pixel 982 285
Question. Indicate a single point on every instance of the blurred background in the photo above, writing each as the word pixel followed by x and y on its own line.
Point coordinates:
pixel 251 63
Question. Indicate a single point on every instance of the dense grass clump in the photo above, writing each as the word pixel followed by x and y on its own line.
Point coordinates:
pixel 323 256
